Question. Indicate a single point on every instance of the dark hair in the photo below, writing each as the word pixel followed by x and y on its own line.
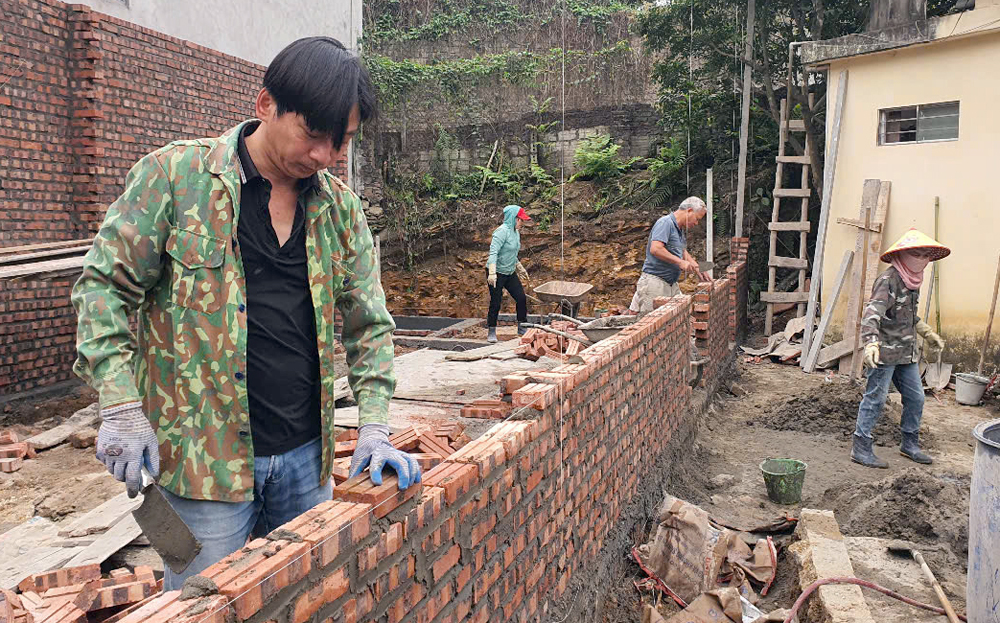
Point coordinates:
pixel 318 78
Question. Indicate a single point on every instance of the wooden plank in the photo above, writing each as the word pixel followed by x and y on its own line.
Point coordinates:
pixel 772 272
pixel 784 297
pixel 803 193
pixel 853 222
pixel 41 270
pixel 790 226
pixel 833 353
pixel 829 175
pixel 24 258
pixel 800 309
pixel 806 160
pixel 796 125
pixel 745 118
pixel 24 537
pixel 84 418
pixel 877 192
pixel 40 560
pixel 809 364
pixel 709 222
pixel 45 245
pixel 787 262
pixel 856 356
pixel 120 535
pixel 104 517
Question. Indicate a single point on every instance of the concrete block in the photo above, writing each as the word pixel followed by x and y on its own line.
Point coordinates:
pixel 822 553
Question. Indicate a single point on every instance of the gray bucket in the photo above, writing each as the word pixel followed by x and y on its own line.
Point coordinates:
pixel 983 586
pixel 969 388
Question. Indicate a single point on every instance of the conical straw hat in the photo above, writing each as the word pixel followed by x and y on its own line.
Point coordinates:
pixel 914 239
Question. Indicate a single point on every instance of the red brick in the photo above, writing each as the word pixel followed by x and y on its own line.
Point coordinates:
pixel 329 590
pixel 443 564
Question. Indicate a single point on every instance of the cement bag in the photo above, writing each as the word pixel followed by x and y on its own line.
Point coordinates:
pixel 687 552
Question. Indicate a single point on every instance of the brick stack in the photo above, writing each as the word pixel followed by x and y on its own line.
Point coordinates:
pixel 711 318
pixel 537 343
pixel 496 528
pixel 80 594
pixel 87 96
pixel 13 451
pixel 739 288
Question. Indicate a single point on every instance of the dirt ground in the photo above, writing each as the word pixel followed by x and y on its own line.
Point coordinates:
pixel 786 413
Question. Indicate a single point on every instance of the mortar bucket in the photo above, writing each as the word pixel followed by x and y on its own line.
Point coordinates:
pixel 969 388
pixel 783 479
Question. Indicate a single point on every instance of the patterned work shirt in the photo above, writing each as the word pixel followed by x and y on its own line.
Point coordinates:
pixel 166 248
pixel 890 319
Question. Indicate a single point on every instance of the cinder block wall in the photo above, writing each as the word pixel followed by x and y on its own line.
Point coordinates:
pixel 499 528
pixel 87 96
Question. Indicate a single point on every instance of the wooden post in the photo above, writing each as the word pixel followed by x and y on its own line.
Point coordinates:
pixel 856 359
pixel 745 121
pixel 829 171
pixel 378 257
pixel 989 323
pixel 936 273
pixel 710 224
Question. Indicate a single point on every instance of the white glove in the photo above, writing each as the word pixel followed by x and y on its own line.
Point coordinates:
pixel 522 272
pixel 871 355
pixel 124 442
pixel 374 451
pixel 492 278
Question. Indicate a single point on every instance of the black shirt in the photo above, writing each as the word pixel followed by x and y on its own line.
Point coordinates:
pixel 283 388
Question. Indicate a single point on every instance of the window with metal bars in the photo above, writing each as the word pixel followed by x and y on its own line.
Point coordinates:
pixel 924 123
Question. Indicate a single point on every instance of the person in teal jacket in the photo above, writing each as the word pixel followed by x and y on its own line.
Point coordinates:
pixel 504 271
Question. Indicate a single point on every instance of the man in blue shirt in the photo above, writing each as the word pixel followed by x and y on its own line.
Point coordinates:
pixel 667 256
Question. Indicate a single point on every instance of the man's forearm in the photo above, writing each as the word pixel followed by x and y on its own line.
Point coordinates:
pixel 661 253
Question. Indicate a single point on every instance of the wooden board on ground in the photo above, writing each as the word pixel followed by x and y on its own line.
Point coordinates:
pixel 875 197
pixel 830 355
pixel 117 537
pixel 484 352
pixel 84 418
pixel 102 518
pixel 27 549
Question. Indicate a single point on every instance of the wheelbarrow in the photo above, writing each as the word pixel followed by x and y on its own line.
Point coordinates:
pixel 569 294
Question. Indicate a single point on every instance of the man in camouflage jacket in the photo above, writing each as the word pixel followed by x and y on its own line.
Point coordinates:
pixel 184 399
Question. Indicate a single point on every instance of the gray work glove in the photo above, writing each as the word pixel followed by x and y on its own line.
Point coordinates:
pixel 374 451
pixel 934 343
pixel 124 442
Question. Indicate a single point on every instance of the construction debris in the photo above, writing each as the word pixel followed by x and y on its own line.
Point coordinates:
pixel 13 451
pixel 428 448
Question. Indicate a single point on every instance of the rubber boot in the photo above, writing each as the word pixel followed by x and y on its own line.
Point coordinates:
pixel 521 329
pixel 910 448
pixel 491 335
pixel 862 453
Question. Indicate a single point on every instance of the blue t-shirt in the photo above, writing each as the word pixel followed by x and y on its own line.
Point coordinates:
pixel 666 231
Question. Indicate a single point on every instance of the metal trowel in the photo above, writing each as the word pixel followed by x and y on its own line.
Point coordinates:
pixel 166 531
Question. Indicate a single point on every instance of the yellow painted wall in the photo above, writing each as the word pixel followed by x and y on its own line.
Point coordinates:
pixel 965 174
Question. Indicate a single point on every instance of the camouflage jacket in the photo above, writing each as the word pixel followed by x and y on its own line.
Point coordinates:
pixel 168 248
pixel 890 319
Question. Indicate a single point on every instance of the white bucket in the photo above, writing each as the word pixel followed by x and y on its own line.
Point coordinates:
pixel 969 388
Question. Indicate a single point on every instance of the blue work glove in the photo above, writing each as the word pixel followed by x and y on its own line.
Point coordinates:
pixel 374 451
pixel 124 442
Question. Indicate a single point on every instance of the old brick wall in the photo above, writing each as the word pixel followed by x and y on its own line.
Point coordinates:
pixel 710 322
pixel 738 274
pixel 498 530
pixel 86 96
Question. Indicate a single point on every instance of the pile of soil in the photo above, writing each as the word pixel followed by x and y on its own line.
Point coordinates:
pixel 916 505
pixel 832 409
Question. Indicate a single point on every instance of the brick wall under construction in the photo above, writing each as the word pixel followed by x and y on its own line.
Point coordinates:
pixel 500 529
pixel 83 97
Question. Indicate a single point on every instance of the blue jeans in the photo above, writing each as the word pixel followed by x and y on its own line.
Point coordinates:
pixel 906 377
pixel 285 486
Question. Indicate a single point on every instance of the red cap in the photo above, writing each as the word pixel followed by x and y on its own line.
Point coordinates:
pixel 523 215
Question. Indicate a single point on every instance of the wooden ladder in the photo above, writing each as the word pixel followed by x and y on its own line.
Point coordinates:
pixel 800 295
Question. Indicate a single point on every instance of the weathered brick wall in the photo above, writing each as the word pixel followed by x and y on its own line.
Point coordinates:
pixel 496 530
pixel 711 317
pixel 86 96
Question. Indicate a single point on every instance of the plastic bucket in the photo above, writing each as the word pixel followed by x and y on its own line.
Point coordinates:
pixel 783 479
pixel 983 585
pixel 969 388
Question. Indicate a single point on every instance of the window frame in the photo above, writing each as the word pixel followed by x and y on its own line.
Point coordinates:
pixel 881 132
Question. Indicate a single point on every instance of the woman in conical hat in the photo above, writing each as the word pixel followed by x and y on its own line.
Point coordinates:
pixel 889 331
